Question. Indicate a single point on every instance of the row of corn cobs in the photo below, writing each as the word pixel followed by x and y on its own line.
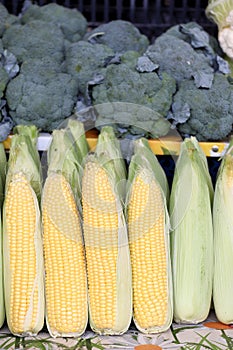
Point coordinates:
pixel 89 245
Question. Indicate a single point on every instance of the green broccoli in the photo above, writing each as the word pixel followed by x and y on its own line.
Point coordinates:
pixel 6 19
pixel 179 59
pixel 36 39
pixel 120 35
pixel 71 22
pixel 145 91
pixel 197 37
pixel 85 60
pixel 41 94
pixel 209 111
pixel 3 80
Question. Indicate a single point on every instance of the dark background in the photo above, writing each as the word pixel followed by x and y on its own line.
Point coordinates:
pixel 151 17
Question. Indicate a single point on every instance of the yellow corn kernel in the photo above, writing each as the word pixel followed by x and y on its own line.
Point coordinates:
pixel 104 227
pixel 65 270
pixel 149 254
pixel 23 258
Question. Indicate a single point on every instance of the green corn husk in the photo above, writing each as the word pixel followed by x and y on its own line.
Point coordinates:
pixel 223 239
pixel 24 171
pixel 25 158
pixel 144 228
pixel 67 153
pixel 192 235
pixel 102 238
pixel 81 147
pixel 108 152
pixel 3 170
pixel 2 182
pixel 144 157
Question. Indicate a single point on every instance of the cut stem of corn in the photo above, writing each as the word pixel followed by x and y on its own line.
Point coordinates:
pixel 106 241
pixel 148 227
pixel 223 240
pixel 192 235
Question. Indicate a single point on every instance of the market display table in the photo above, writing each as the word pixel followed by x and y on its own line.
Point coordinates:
pixel 207 335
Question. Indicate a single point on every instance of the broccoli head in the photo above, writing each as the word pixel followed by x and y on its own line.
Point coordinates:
pixel 6 19
pixel 179 59
pixel 120 35
pixel 35 39
pixel 71 22
pixel 85 60
pixel 210 111
pixel 41 95
pixel 147 91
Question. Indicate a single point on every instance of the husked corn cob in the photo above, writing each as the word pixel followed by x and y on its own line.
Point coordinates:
pixel 223 239
pixel 106 243
pixel 65 269
pixel 66 286
pixel 192 235
pixel 22 243
pixel 148 228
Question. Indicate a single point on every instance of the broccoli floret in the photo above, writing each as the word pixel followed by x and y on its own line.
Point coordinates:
pixel 179 59
pixel 120 35
pixel 72 23
pixel 130 58
pixel 41 95
pixel 6 19
pixel 85 60
pixel 3 80
pixel 210 110
pixel 124 84
pixel 35 39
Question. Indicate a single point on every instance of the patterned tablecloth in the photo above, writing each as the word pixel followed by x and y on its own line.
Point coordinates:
pixel 208 335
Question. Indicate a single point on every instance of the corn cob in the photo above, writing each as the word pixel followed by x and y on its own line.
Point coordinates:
pixel 223 239
pixel 65 269
pixel 148 227
pixel 192 235
pixel 23 254
pixel 105 235
pixel 3 164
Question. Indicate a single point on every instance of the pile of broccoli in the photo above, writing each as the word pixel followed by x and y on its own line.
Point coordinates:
pixel 52 66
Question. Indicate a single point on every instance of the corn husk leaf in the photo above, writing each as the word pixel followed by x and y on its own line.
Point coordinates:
pixel 3 170
pixel 24 158
pixel 109 155
pixel 192 235
pixel 67 153
pixel 223 239
pixel 2 306
pixel 144 157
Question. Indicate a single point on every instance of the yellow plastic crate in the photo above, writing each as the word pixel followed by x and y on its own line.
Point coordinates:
pixel 162 146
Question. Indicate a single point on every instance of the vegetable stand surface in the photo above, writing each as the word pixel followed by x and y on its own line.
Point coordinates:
pixel 162 146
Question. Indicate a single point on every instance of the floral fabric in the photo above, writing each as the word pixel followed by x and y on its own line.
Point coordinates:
pixel 210 335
